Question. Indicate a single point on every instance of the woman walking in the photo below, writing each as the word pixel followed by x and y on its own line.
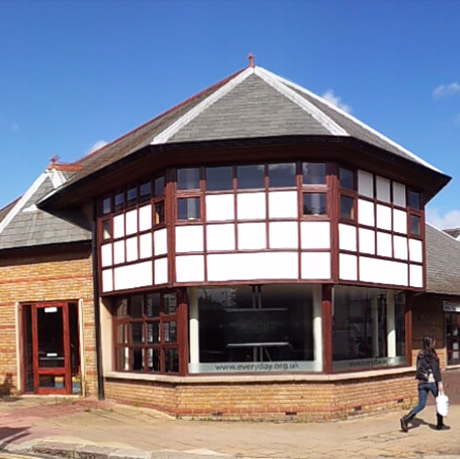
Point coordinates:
pixel 428 375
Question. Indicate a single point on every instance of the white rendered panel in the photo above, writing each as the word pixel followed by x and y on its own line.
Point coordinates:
pixel 384 246
pixel 400 221
pixel 283 235
pixel 119 252
pixel 400 246
pixel 282 204
pixel 133 276
pixel 220 237
pixel 252 266
pixel 315 235
pixel 366 212
pixel 220 207
pixel 189 238
pixel 399 194
pixel 383 189
pixel 365 184
pixel 416 276
pixel 366 241
pixel 316 265
pixel 131 249
pixel 382 271
pixel 383 217
pixel 106 255
pixel 107 280
pixel 161 271
pixel 252 236
pixel 348 267
pixel 190 268
pixel 347 237
pixel 145 245
pixel 160 246
pixel 131 222
pixel 415 250
pixel 119 226
pixel 251 206
pixel 145 218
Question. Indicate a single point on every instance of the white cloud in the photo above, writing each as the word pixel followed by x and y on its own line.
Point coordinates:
pixel 335 100
pixel 446 90
pixel 451 219
pixel 97 145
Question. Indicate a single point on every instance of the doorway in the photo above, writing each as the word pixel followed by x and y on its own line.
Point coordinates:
pixel 51 348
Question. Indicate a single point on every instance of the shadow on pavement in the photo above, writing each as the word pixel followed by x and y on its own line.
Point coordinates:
pixel 9 435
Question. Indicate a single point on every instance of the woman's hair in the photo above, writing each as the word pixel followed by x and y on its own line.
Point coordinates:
pixel 428 347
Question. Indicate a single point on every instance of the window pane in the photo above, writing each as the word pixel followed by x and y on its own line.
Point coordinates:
pixel 414 200
pixel 415 225
pixel 314 204
pixel 131 196
pixel 281 175
pixel 119 201
pixel 347 207
pixel 188 209
pixel 250 177
pixel 106 230
pixel 188 179
pixel 122 362
pixel 153 332
pixel 153 305
pixel 137 333
pixel 219 178
pixel 159 186
pixel 346 178
pixel 106 206
pixel 159 213
pixel 170 303
pixel 314 173
pixel 137 306
pixel 144 191
pixel 171 361
pixel 122 307
pixel 153 359
pixel 138 359
pixel 122 335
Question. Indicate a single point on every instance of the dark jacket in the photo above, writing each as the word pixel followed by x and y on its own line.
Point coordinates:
pixel 426 365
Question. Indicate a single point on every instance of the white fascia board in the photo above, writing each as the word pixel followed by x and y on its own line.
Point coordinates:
pixel 57 177
pixel 164 136
pixel 21 203
pixel 357 121
pixel 281 86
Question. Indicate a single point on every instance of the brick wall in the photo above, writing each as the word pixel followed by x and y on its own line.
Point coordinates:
pixel 303 400
pixel 40 278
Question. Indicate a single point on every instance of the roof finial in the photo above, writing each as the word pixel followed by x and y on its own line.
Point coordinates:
pixel 53 161
pixel 251 59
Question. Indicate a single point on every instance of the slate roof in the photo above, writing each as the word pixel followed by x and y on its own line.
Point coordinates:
pixel 22 224
pixel 442 262
pixel 454 232
pixel 252 103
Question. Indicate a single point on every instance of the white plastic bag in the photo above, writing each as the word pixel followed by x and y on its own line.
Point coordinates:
pixel 442 404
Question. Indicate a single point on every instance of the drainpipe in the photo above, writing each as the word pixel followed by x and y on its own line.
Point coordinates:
pixel 97 314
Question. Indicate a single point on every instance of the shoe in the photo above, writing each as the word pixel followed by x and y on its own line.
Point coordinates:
pixel 404 426
pixel 441 427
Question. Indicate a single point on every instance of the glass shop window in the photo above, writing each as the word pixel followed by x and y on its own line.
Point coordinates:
pixel 219 178
pixel 281 175
pixel 250 177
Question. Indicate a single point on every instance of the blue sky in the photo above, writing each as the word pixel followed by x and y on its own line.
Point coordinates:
pixel 75 73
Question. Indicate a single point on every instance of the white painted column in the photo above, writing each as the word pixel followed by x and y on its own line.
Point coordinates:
pixel 194 330
pixel 375 325
pixel 391 324
pixel 317 328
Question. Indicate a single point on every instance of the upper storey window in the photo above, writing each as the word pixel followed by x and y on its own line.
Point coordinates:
pixel 188 179
pixel 281 175
pixel 219 178
pixel 414 199
pixel 250 177
pixel 347 178
pixel 314 173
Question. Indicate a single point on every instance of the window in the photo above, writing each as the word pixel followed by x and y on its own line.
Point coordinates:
pixel 347 178
pixel 107 229
pixel 131 196
pixel 159 213
pixel 144 191
pixel 281 175
pixel 146 333
pixel 250 177
pixel 314 204
pixel 347 205
pixel 314 173
pixel 414 200
pixel 188 209
pixel 159 186
pixel 106 205
pixel 414 225
pixel 188 179
pixel 119 200
pixel 219 178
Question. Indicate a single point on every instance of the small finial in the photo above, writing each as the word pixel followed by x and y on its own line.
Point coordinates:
pixel 53 161
pixel 251 60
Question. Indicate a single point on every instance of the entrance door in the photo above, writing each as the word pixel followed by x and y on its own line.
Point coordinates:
pixel 51 360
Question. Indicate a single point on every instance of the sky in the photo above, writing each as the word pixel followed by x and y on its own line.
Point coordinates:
pixel 75 74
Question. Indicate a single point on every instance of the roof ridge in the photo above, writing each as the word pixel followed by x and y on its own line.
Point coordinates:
pixel 189 116
pixel 156 118
pixel 280 85
pixel 443 232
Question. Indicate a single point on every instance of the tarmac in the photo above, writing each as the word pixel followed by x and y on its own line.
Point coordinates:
pixel 77 428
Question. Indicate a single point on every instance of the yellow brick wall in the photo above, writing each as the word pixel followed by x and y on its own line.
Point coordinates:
pixel 42 278
pixel 285 400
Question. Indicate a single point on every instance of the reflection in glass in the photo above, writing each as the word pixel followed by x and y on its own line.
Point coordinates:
pixel 219 178
pixel 281 175
pixel 250 177
pixel 188 179
pixel 119 200
pixel 347 207
pixel 313 173
pixel 131 196
pixel 153 332
pixel 122 335
pixel 144 191
pixel 159 186
pixel 170 303
pixel 188 209
pixel 106 229
pixel 159 212
pixel 414 200
pixel 153 305
pixel 346 178
pixel 314 204
pixel 153 359
pixel 106 206
pixel 171 361
pixel 137 333
pixel 415 225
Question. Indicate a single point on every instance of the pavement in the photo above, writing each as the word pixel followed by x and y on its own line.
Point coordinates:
pixel 75 428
